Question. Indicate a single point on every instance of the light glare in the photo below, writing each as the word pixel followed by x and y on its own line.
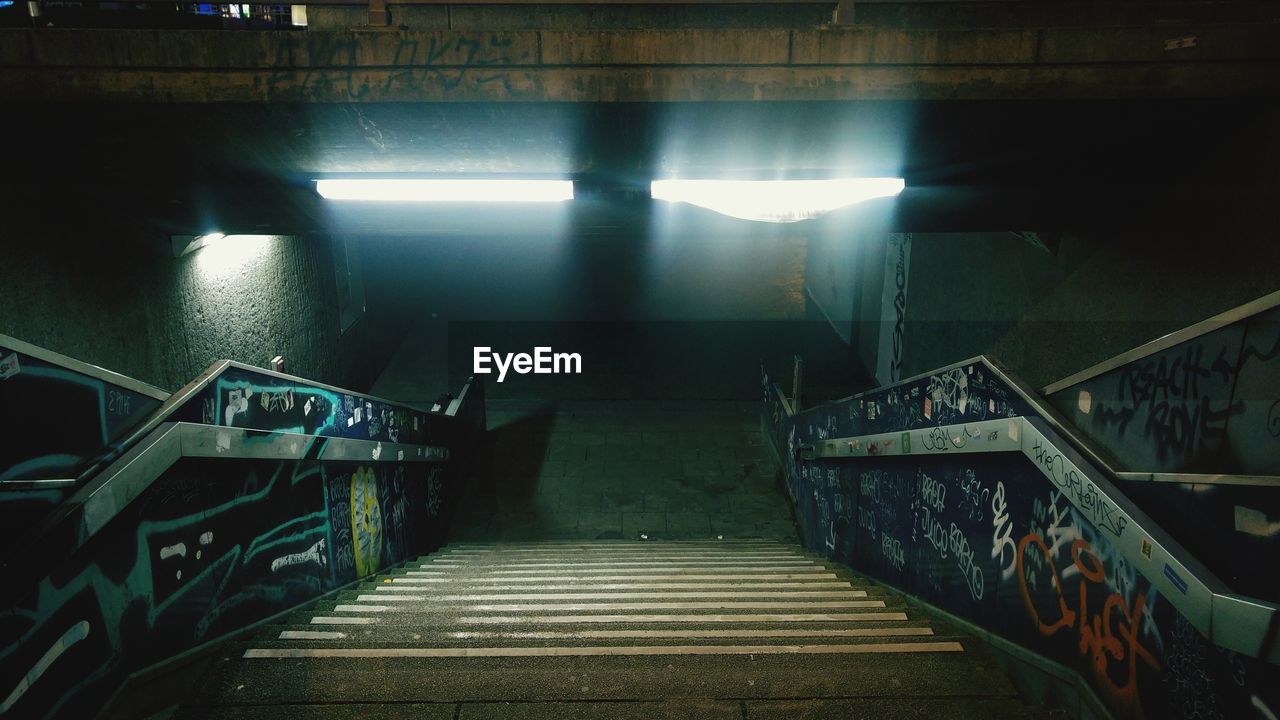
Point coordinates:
pixel 226 255
pixel 778 201
pixel 438 190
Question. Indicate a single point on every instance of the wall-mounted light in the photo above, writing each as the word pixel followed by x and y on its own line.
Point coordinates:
pixel 776 201
pixel 187 244
pixel 221 254
pixel 445 190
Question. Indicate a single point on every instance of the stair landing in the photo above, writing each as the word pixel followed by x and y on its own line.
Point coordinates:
pixel 608 629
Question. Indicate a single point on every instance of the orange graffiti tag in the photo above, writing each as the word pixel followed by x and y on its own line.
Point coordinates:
pixel 1106 637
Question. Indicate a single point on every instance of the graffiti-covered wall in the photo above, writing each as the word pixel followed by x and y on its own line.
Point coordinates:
pixel 59 420
pixel 120 300
pixel 211 546
pixel 249 398
pixel 58 423
pixel 1207 405
pixel 1210 405
pixel 992 539
pixel 215 543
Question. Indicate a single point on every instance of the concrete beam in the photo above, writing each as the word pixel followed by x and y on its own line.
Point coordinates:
pixel 831 63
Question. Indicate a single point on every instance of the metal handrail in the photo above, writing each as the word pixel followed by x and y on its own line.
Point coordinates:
pixel 1191 332
pixel 151 447
pixel 1233 621
pixel 84 368
pixel 112 489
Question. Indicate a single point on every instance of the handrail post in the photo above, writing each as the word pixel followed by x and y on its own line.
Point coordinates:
pixel 844 13
pixel 378 13
pixel 797 375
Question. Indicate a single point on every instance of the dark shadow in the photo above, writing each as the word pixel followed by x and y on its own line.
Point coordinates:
pixel 503 477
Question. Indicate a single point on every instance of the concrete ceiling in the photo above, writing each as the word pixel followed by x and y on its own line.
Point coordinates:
pixel 970 165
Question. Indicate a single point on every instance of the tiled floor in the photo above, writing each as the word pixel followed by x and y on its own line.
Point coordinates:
pixel 612 469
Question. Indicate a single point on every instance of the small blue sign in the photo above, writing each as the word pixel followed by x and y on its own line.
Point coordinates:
pixel 1176 579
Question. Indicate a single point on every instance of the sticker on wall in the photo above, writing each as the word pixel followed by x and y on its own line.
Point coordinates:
pixel 1013 430
pixel 1085 402
pixel 366 521
pixel 906 442
pixel 928 409
pixel 1146 548
pixel 1255 522
pixel 9 367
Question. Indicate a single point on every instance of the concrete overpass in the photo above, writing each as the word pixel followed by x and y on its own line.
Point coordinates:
pixel 826 63
pixel 1082 178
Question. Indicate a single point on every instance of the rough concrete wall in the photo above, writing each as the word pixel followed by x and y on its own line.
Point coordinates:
pixel 1133 291
pixel 129 306
pixel 966 290
pixel 1048 315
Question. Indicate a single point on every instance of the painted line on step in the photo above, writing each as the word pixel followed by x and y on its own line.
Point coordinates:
pixel 710 605
pixel 388 598
pixel 918 647
pixel 312 635
pixel 420 583
pixel 343 620
pixel 362 608
pixel 465 580
pixel 670 568
pixel 704 634
pixel 620 542
pixel 621 565
pixel 690 618
pixel 553 557
pixel 634 595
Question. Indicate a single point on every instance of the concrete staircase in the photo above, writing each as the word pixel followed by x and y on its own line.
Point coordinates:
pixel 616 629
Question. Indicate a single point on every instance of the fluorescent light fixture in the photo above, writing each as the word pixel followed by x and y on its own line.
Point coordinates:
pixel 778 201
pixel 442 190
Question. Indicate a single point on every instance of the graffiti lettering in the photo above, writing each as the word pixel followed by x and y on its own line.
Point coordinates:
pixel 934 533
pixel 892 550
pixel 867 520
pixel 1106 637
pixel 1079 489
pixel 1180 417
pixel 932 492
pixel 971 571
pixel 1002 537
pixel 117 402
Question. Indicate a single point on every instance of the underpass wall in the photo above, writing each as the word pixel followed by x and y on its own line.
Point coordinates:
pixel 126 304
pixel 1007 544
pixel 217 543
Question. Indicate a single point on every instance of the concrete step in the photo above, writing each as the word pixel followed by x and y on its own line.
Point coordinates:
pixel 413 635
pixel 608 677
pixel 427 602
pixel 613 626
pixel 906 708
pixel 405 640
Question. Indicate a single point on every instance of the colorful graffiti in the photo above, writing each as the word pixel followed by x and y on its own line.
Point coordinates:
pixel 214 544
pixel 1200 406
pixel 1013 543
pixel 246 398
pixel 180 568
pixel 366 521
pixel 1108 637
pixel 91 415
